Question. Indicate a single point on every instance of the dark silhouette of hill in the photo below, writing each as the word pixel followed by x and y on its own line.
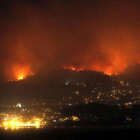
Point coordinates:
pixel 54 84
pixel 62 75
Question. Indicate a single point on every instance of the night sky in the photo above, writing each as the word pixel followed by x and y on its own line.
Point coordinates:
pixel 40 35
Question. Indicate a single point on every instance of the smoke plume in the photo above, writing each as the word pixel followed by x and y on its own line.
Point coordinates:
pixel 41 35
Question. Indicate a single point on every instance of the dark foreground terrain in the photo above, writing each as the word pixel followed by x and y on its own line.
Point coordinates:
pixel 72 133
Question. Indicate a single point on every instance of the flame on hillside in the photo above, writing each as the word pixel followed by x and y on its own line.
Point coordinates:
pixel 107 71
pixel 19 72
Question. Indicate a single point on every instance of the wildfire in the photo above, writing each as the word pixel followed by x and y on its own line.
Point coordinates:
pixel 21 77
pixel 22 72
pixel 107 71
pixel 73 68
pixel 19 72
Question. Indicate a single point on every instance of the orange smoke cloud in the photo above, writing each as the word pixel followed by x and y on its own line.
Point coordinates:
pixel 19 72
pixel 91 35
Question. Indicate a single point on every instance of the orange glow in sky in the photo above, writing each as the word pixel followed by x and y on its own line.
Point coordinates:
pixel 19 72
pixel 22 72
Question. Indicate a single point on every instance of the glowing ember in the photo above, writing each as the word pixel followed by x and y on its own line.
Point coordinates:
pixel 21 77
pixel 109 74
pixel 73 68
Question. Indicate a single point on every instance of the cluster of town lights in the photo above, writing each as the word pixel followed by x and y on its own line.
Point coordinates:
pixel 16 124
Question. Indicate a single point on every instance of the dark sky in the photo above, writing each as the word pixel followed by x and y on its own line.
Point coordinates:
pixel 41 35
